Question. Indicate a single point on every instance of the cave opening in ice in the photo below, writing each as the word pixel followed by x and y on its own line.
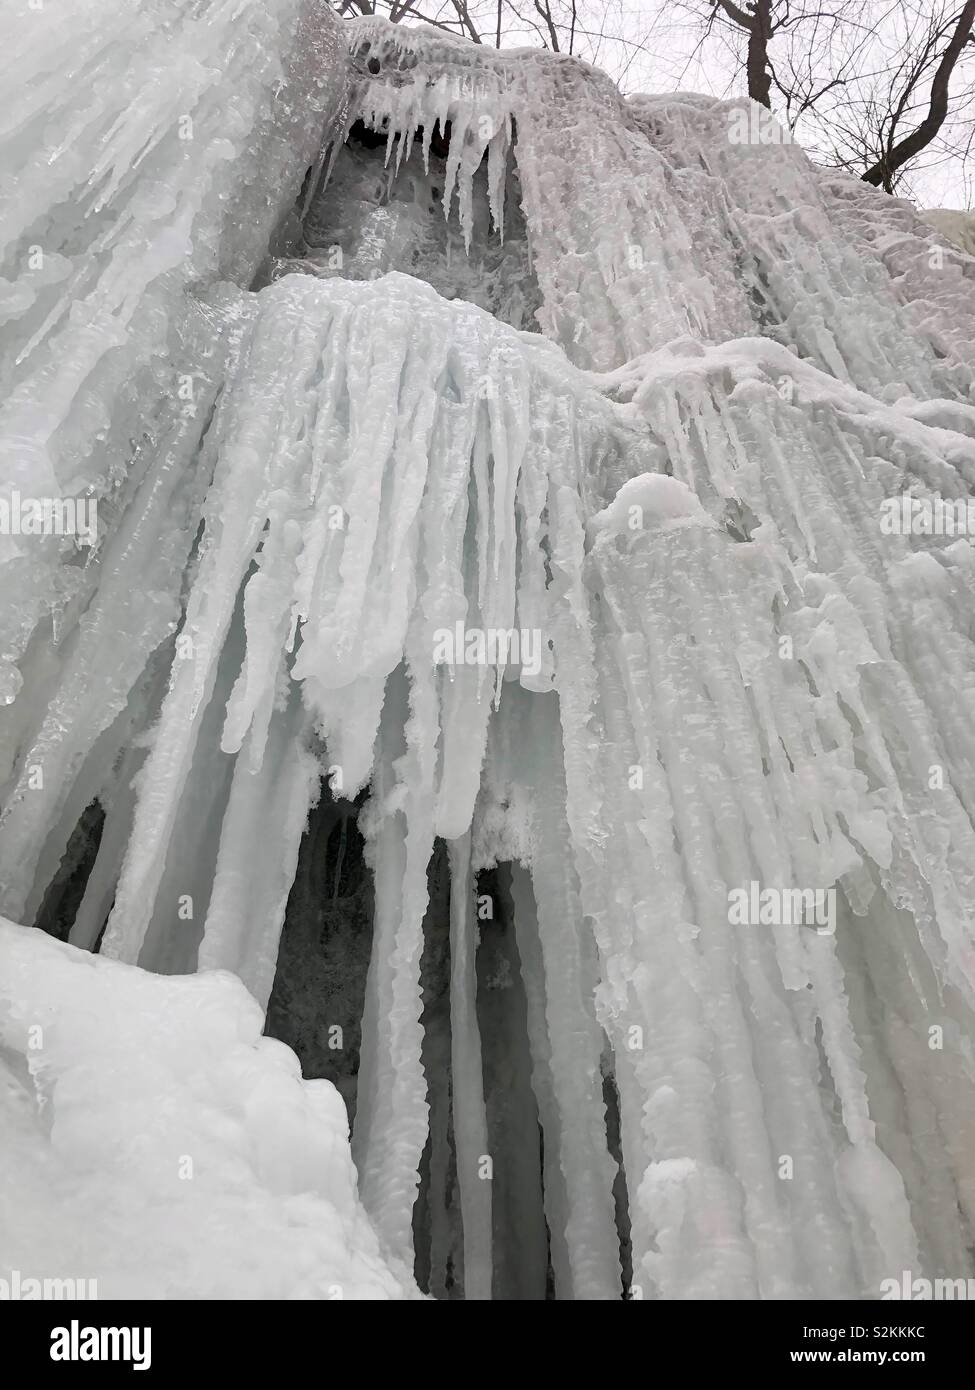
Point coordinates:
pixel 489 584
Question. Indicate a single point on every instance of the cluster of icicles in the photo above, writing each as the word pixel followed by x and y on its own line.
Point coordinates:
pixel 677 486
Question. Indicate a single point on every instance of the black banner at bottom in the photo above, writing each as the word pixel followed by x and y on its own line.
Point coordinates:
pixel 167 1340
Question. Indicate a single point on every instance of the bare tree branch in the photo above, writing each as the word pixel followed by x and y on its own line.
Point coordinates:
pixel 897 155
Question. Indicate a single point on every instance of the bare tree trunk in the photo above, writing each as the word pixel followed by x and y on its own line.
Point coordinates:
pixel 756 20
pixel 759 77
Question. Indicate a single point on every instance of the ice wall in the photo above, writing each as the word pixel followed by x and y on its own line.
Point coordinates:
pixel 153 152
pixel 717 669
pixel 148 150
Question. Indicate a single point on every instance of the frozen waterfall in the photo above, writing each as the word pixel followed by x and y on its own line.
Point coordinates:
pixel 511 608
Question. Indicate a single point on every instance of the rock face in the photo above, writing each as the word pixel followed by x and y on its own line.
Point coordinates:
pixel 517 638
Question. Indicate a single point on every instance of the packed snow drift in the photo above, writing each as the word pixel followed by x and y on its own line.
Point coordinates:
pixel 156 1146
pixel 518 641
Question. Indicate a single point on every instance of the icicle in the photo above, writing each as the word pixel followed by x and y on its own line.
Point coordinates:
pixel 255 868
pixel 470 1124
pixel 533 974
pixel 391 1118
pixel 575 1038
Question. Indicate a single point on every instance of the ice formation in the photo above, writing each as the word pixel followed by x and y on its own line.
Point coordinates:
pixel 156 1144
pixel 492 469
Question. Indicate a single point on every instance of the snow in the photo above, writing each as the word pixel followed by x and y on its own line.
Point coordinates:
pixel 594 375
pixel 155 1143
pixel 652 499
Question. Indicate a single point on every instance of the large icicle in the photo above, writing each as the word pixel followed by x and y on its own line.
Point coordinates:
pixel 470 1124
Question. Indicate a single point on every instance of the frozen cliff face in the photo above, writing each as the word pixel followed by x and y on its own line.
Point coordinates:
pixel 536 521
pixel 152 149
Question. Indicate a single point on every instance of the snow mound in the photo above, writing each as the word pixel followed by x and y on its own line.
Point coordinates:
pixel 157 1143
pixel 650 500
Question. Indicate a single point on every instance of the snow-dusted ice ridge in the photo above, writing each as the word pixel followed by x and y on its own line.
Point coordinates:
pixel 507 463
